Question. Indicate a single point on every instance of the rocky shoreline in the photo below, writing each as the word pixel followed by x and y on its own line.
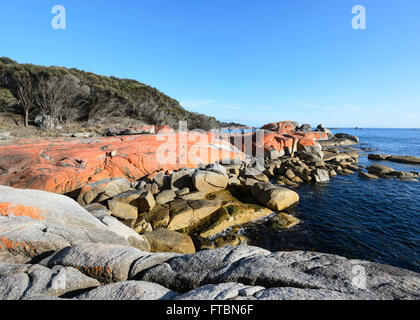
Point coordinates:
pixel 137 229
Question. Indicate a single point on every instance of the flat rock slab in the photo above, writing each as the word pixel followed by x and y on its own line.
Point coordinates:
pixel 24 281
pixel 222 291
pixel 22 239
pixel 44 206
pixel 102 190
pixel 405 159
pixel 237 273
pixel 302 270
pixel 305 294
pixel 368 175
pixel 61 165
pixel 400 159
pixel 379 169
pixel 104 262
pixel 34 222
pixel 129 290
pixel 163 240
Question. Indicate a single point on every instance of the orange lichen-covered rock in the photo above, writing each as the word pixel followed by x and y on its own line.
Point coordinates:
pixel 282 137
pixel 281 127
pixel 306 142
pixel 163 129
pixel 63 165
pixel 7 209
pixel 33 222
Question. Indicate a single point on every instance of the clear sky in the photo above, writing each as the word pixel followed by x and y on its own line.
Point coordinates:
pixel 252 62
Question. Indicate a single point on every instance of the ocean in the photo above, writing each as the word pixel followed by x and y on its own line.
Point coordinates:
pixel 375 220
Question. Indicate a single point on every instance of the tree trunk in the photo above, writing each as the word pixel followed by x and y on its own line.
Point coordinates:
pixel 26 117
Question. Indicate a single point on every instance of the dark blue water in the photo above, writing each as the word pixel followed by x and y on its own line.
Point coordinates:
pixel 376 220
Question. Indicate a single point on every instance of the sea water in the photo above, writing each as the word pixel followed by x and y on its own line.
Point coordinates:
pixel 375 220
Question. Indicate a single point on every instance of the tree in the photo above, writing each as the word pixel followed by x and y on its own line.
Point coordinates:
pixel 104 106
pixel 25 93
pixel 53 95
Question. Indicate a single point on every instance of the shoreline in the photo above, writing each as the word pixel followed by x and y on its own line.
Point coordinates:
pixel 186 211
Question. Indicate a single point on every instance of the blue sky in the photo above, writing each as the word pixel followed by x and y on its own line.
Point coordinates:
pixel 252 62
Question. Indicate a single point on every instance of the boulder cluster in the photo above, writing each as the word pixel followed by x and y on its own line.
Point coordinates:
pixel 376 171
pixel 140 231
pixel 183 211
pixel 97 271
pixel 52 248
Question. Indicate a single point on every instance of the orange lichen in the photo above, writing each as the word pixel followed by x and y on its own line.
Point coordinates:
pixel 82 161
pixel 61 165
pixel 5 242
pixel 10 245
pixel 7 209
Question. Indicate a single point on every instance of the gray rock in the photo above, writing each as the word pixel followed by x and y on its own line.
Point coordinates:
pixel 234 181
pixel 53 222
pixel 140 185
pixel 338 277
pixel 379 169
pixel 274 197
pixel 5 135
pixel 182 192
pixel 181 179
pixel 209 181
pixel 196 195
pixel 185 214
pixel 347 137
pixel 104 262
pixel 374 156
pixel 165 196
pixel 122 210
pixel 129 290
pixel 188 272
pixel 367 175
pixel 222 291
pixel 215 167
pixel 401 174
pixel 321 176
pixel 25 281
pixel 146 202
pixel 164 240
pixel 302 294
pixel 136 240
pixel 405 159
pixel 44 122
pixel 27 239
pixel 97 210
pixel 103 190
pixel 305 128
pixel 255 174
pixel 82 135
pixel 309 156
pixel 56 209
pixel 321 128
pixel 44 298
pixel 149 261
pixel 250 182
pixel 158 217
pixel 162 180
pixel 273 154
pixel 314 151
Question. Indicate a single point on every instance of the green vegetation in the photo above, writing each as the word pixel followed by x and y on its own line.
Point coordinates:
pixel 62 95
